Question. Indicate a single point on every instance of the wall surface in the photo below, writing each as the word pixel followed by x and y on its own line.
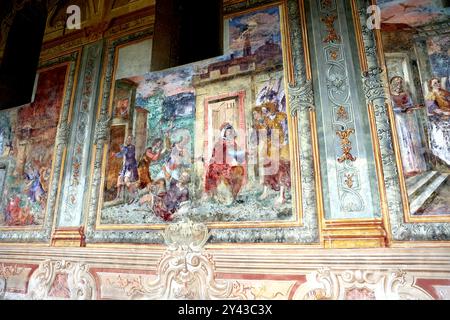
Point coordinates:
pixel 333 225
pixel 248 273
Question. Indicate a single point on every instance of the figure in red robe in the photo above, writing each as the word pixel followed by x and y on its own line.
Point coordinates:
pixel 226 164
pixel 17 216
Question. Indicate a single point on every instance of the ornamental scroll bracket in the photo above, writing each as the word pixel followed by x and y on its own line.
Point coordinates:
pixel 8 20
pixel 359 284
pixel 186 271
pixel 56 280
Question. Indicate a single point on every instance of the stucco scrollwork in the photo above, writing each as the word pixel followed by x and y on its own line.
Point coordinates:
pixel 7 271
pixel 55 280
pixel 357 284
pixel 186 271
pixel 185 236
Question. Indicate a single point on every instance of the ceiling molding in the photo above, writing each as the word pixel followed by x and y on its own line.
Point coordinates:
pixel 95 12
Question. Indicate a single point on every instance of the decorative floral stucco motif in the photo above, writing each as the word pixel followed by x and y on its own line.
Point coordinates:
pixel 327 284
pixel 62 280
pixel 186 271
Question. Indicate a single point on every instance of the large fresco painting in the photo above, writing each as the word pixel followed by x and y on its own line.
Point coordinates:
pixel 209 141
pixel 421 119
pixel 27 140
pixel 423 135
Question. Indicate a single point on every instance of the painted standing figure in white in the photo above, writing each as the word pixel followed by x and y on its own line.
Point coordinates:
pixel 412 147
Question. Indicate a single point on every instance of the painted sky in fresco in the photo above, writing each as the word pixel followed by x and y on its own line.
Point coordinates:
pixel 262 26
pixel 169 81
pixel 413 12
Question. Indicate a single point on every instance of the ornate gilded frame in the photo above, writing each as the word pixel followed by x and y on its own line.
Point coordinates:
pixel 299 89
pixel 42 234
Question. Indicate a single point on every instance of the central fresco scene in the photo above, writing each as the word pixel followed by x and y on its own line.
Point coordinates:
pixel 207 141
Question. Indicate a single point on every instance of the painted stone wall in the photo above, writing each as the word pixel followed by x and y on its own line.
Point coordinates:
pixel 260 67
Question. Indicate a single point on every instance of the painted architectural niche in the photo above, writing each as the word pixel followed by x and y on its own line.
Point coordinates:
pixel 209 141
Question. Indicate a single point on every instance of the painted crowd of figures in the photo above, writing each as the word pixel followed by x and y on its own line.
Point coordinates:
pixel 168 191
pixel 29 134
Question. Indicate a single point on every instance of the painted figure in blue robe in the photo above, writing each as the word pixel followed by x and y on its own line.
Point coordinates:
pixel 35 190
pixel 129 174
pixel 412 146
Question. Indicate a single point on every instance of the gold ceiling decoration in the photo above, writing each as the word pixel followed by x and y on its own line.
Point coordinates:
pixel 93 13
